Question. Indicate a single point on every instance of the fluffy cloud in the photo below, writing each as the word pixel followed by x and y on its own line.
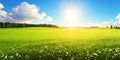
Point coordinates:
pixel 43 15
pixel 1 6
pixel 3 14
pixel 118 16
pixel 105 24
pixel 49 19
pixel 117 22
pixel 24 12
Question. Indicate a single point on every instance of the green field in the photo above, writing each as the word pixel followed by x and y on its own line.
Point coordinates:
pixel 59 44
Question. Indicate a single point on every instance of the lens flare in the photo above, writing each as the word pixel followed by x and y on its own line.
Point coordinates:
pixel 70 15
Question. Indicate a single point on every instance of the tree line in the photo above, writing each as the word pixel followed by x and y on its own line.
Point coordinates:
pixel 21 25
pixel 114 27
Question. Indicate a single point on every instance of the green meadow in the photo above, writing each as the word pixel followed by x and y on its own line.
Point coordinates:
pixel 59 44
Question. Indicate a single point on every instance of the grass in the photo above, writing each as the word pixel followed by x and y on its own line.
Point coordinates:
pixel 59 44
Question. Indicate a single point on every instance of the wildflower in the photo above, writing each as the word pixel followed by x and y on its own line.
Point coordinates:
pixel 113 56
pixel 45 46
pixel 79 54
pixel 116 50
pixel 104 50
pixel 60 46
pixel 65 48
pixel 13 48
pixel 87 51
pixel 72 58
pixel 95 54
pixel 98 51
pixel 41 51
pixel 67 53
pixel 87 54
pixel 11 56
pixel 110 49
pixel 48 53
pixel 59 58
pixel 5 57
pixel 17 54
pixel 26 56
pixel 56 48
pixel 59 51
pixel 91 56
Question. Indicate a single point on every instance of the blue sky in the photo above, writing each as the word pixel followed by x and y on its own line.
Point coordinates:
pixel 93 11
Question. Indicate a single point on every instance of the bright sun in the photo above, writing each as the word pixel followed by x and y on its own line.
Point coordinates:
pixel 71 15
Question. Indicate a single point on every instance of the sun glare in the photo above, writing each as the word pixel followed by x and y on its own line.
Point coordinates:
pixel 71 15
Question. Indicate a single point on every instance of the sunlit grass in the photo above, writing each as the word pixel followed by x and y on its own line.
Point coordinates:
pixel 59 44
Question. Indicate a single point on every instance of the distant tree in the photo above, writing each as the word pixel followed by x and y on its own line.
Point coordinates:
pixel 18 25
pixel 111 26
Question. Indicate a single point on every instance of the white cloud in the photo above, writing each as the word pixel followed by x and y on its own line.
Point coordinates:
pixel 49 19
pixel 118 16
pixel 23 13
pixel 105 24
pixel 117 22
pixel 43 15
pixel 1 6
pixel 43 22
pixel 3 14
